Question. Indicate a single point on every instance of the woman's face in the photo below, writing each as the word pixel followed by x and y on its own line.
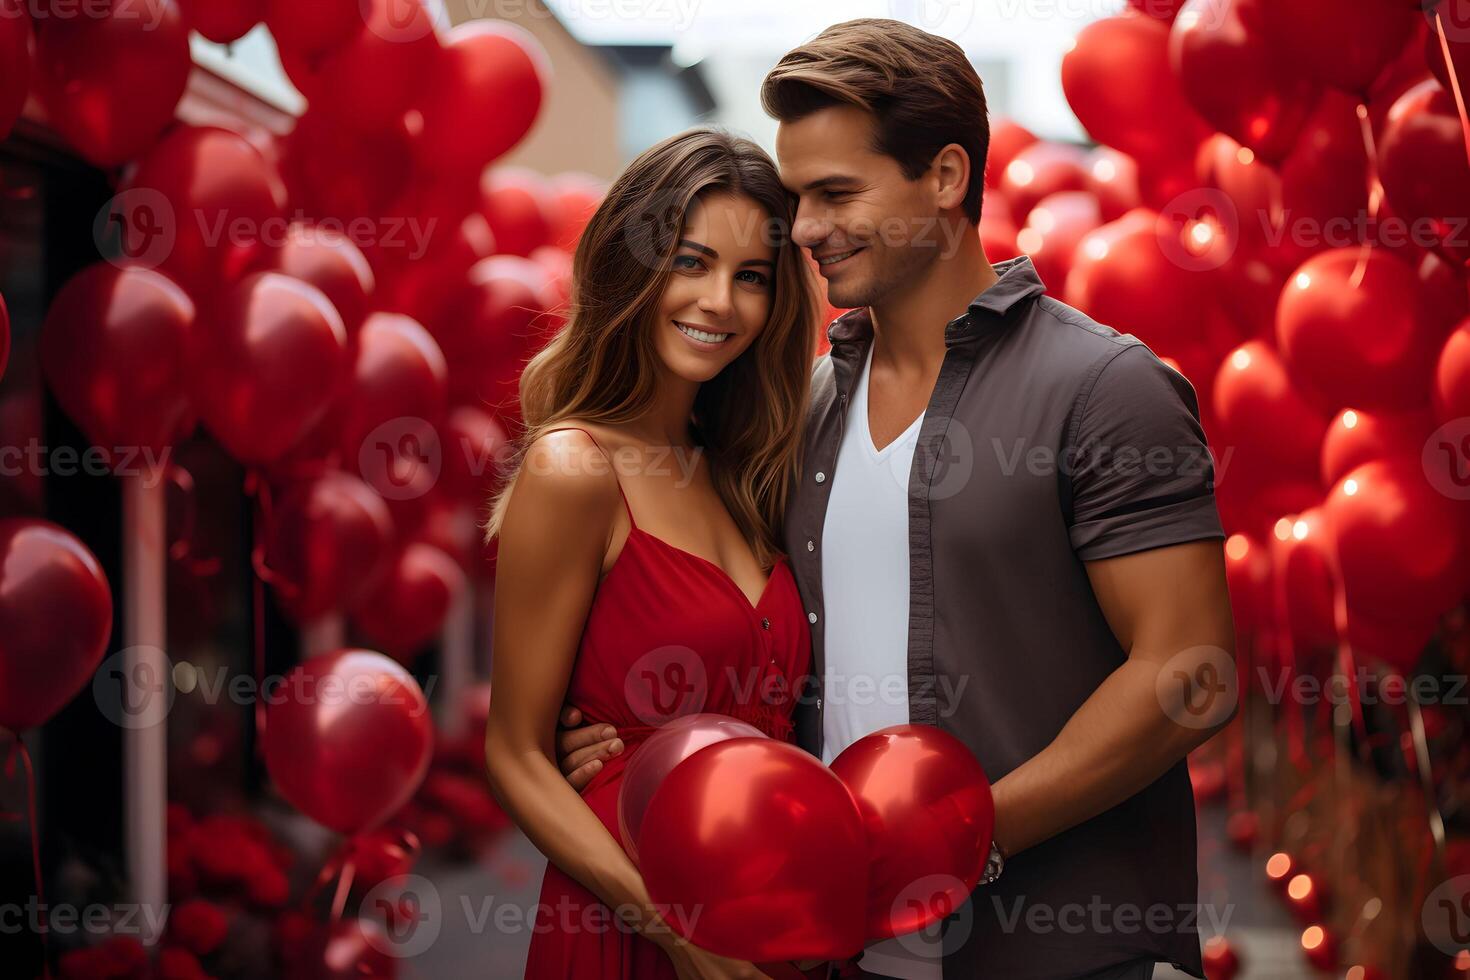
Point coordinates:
pixel 719 291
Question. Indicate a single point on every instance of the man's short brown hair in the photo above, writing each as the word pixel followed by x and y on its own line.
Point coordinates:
pixel 922 90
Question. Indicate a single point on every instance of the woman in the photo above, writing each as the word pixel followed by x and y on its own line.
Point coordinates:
pixel 639 576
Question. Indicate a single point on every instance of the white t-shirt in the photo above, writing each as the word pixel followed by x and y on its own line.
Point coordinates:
pixel 865 588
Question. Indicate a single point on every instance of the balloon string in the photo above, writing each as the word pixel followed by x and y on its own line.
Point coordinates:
pixel 1375 189
pixel 183 548
pixel 258 488
pixel 342 865
pixel 18 750
pixel 1454 78
pixel 1426 775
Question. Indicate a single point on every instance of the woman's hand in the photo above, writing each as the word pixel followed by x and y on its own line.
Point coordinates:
pixel 693 963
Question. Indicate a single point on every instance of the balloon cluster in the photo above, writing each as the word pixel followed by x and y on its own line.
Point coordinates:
pixel 345 309
pixel 790 860
pixel 1281 209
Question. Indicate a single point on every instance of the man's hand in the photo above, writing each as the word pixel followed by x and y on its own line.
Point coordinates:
pixel 582 750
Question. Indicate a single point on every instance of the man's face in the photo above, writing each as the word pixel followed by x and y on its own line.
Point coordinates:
pixel 869 227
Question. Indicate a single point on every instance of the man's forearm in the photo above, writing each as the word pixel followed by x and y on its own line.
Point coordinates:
pixel 1118 742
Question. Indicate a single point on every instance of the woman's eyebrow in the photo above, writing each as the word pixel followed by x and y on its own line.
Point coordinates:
pixel 686 243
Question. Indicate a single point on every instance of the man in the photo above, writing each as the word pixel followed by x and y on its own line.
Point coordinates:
pixel 1005 527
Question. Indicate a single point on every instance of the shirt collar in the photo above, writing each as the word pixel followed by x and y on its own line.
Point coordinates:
pixel 1016 280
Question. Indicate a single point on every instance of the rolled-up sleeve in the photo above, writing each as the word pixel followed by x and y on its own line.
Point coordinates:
pixel 1139 467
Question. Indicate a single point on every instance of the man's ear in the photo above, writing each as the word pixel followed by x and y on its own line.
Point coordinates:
pixel 951 170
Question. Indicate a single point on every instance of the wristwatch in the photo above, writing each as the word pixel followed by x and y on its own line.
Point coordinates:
pixel 994 864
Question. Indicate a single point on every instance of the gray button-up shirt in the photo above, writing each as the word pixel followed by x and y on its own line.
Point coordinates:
pixel 1049 440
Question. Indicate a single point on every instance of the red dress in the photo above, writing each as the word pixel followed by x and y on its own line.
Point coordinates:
pixel 669 634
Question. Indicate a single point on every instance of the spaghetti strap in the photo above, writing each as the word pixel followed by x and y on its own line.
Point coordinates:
pixel 616 478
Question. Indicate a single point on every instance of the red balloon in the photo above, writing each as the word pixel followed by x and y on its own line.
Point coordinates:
pixel 767 844
pixel 1220 959
pixel 1422 162
pixel 558 292
pixel 474 446
pixel 1135 275
pixel 488 329
pixel 1248 574
pixel 570 205
pixel 423 287
pixel 1368 341
pixel 113 350
pixel 310 29
pixel 266 365
pixel 1118 81
pixel 348 738
pixel 4 336
pixel 483 96
pixel 929 815
pixel 1454 18
pixel 226 205
pixel 223 21
pixel 327 259
pixel 1230 75
pixel 1260 412
pixel 407 609
pixel 55 619
pixel 1452 376
pixel 1312 200
pixel 1007 138
pixel 311 164
pixel 1040 170
pixel 1053 229
pixel 1112 177
pixel 109 84
pixel 1400 541
pixel 329 538
pixel 652 762
pixel 370 80
pixel 1346 45
pixel 1302 561
pixel 1164 10
pixel 15 57
pixel 1356 437
pixel 399 376
pixel 515 202
pixel 997 235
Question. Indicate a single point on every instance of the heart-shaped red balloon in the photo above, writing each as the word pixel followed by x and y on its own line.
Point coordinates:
pixel 55 619
pixel 929 815
pixel 755 850
pixel 348 738
pixel 482 97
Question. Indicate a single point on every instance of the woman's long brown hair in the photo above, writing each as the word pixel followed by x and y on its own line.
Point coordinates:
pixel 603 365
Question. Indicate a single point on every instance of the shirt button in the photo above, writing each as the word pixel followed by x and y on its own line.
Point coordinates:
pixel 821 477
pixel 811 546
pixel 765 625
pixel 811 618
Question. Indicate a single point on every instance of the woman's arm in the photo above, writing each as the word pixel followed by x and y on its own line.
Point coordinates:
pixel 557 527
pixel 556 531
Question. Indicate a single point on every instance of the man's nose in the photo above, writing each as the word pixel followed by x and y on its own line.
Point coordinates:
pixel 810 230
